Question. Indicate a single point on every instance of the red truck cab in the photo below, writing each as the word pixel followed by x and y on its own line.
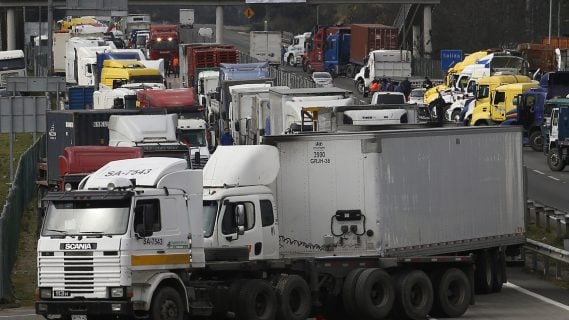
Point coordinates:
pixel 315 48
pixel 171 100
pixel 163 41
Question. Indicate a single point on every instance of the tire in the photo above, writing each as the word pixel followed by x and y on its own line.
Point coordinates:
pixel 375 294
pixel 536 141
pixel 455 116
pixel 554 160
pixel 293 297
pixel 167 304
pixel 481 123
pixel 348 292
pixel 360 84
pixel 414 295
pixel 290 60
pixel 484 274
pixel 257 301
pixel 452 294
pixel 499 266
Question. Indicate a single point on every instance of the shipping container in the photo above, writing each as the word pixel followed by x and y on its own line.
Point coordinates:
pixel 539 56
pixel 556 42
pixel 201 56
pixel 266 46
pixel 80 97
pixel 369 37
pixel 75 128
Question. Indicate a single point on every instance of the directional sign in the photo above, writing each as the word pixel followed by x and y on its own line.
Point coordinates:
pixel 249 13
pixel 449 58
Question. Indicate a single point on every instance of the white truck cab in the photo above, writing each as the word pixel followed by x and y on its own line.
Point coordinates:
pixel 394 64
pixel 295 52
pixel 193 133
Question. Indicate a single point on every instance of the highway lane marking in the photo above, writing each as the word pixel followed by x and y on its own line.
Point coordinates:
pixel 20 315
pixel 537 171
pixel 556 179
pixel 537 296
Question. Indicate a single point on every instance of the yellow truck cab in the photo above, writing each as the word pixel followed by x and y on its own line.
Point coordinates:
pixel 128 71
pixel 486 86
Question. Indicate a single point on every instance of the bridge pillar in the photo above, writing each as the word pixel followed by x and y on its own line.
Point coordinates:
pixel 219 24
pixel 416 41
pixel 427 43
pixel 10 29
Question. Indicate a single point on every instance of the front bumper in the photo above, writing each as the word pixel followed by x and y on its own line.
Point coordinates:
pixel 71 307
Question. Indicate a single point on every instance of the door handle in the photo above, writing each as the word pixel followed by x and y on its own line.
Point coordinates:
pixel 160 251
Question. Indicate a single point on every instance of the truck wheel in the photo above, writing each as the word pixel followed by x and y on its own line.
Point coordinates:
pixel 257 301
pixel 167 305
pixel 536 141
pixel 455 116
pixel 293 296
pixel 291 61
pixel 375 294
pixel 348 292
pixel 452 294
pixel 414 293
pixel 499 266
pixel 554 160
pixel 360 85
pixel 484 274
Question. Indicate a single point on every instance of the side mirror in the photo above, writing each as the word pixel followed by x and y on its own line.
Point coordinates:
pixel 240 217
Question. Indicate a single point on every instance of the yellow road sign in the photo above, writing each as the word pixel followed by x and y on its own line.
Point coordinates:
pixel 249 13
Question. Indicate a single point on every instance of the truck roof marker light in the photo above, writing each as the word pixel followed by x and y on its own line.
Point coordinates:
pixel 68 187
pixel 111 186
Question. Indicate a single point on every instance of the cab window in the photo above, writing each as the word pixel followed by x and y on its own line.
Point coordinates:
pixel 229 222
pixel 152 205
pixel 267 216
pixel 499 97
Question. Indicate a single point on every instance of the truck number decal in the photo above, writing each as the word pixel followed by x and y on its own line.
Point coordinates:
pixel 127 173
pixel 319 154
pixel 152 241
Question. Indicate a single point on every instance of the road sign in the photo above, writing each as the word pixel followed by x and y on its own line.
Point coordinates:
pixel 449 58
pixel 249 13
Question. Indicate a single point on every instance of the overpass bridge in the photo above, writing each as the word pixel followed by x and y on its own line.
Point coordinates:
pixel 414 20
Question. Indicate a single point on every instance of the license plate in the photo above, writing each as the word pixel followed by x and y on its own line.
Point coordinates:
pixel 78 317
pixel 61 293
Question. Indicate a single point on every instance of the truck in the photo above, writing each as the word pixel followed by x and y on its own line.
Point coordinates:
pixel 193 132
pixel 135 22
pixel 85 69
pixel 58 51
pixel 367 38
pixel 123 97
pixel 195 58
pixel 328 49
pixel 77 162
pixel 265 46
pixel 295 51
pixel 174 100
pixel 207 84
pixel 155 133
pixel 12 63
pixel 530 106
pixel 127 54
pixel 177 242
pixel 118 72
pixel 163 42
pixel 393 64
pixel 286 106
pixel 501 102
pixel 72 53
pixel 243 121
pixel 556 146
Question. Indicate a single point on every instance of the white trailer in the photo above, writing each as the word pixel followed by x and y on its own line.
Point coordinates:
pixel 59 51
pixel 394 64
pixel 265 46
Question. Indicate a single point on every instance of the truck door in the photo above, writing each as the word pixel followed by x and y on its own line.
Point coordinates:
pixel 240 225
pixel 563 124
pixel 159 239
pixel 269 224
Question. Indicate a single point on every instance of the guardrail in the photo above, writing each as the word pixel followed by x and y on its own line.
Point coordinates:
pixel 553 221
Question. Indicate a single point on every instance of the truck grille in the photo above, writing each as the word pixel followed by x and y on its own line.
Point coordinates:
pixel 80 273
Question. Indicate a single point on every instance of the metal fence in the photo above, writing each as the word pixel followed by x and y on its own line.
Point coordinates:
pixel 22 191
pixel 427 67
pixel 37 60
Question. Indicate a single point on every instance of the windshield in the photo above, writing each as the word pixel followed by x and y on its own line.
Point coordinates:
pixel 108 217
pixel 165 45
pixel 321 75
pixel 482 92
pixel 193 137
pixel 209 217
pixel 12 64
pixel 390 99
pixel 417 93
pixel 147 79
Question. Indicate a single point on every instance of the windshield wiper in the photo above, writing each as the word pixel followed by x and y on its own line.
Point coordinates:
pixel 60 231
pixel 98 234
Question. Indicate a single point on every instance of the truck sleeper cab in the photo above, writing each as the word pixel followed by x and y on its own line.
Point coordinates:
pixel 118 72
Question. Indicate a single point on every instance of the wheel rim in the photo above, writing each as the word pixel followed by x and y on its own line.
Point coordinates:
pixel 456 117
pixel 169 310
pixel 554 158
pixel 360 87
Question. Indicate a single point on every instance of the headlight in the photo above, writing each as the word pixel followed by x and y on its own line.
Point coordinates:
pixel 117 292
pixel 45 293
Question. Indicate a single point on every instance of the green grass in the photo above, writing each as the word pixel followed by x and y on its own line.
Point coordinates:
pixel 24 271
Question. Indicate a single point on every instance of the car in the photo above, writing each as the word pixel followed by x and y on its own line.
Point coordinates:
pixel 322 79
pixel 417 96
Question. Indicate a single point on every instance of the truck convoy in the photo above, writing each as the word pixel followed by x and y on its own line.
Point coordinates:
pixel 163 42
pixel 359 230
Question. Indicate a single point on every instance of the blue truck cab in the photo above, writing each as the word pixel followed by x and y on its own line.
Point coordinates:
pixel 337 52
